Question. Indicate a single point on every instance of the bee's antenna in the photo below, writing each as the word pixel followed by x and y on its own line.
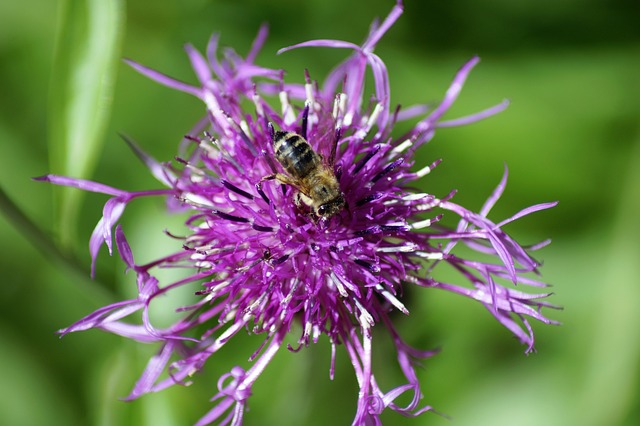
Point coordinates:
pixel 305 119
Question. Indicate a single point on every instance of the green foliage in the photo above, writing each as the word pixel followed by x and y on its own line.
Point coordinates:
pixel 87 52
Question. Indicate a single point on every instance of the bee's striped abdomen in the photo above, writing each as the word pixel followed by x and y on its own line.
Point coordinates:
pixel 295 154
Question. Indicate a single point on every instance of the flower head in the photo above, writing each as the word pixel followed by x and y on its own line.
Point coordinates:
pixel 267 254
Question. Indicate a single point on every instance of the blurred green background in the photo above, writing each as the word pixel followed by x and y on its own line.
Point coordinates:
pixel 572 72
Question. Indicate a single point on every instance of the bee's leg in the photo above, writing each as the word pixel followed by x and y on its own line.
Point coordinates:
pixel 302 200
pixel 269 177
pixel 283 179
pixel 297 200
pixel 305 205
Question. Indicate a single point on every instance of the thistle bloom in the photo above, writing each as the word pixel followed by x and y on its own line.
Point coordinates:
pixel 261 262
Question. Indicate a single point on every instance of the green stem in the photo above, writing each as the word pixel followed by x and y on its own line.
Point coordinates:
pixel 40 239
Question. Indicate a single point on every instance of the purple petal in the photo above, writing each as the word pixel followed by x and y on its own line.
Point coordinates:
pixel 378 32
pixel 104 315
pixel 212 49
pixel 154 368
pixel 130 331
pixel 381 79
pixel 454 90
pixel 322 43
pixel 258 43
pixel 412 111
pixel 199 65
pixel 102 233
pixel 165 80
pixel 124 249
pixel 474 117
pixel 158 170
pixel 496 194
pixel 528 211
pixel 85 185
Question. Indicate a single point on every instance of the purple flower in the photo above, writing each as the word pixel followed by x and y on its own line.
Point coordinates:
pixel 261 260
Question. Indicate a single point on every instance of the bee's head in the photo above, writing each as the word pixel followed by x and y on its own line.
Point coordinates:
pixel 330 208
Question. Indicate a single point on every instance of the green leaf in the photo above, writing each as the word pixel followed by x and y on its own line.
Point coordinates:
pixel 86 58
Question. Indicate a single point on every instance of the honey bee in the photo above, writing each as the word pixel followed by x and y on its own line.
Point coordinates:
pixel 315 181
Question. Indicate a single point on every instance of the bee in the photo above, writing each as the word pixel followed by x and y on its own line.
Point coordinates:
pixel 315 181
